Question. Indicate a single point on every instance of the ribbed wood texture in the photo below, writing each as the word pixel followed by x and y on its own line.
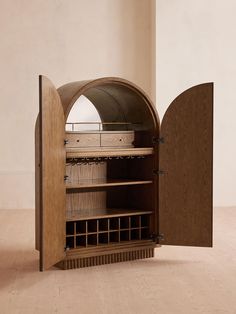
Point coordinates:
pixel 106 259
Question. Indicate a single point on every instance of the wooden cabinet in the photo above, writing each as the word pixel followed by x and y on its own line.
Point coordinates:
pixel 115 194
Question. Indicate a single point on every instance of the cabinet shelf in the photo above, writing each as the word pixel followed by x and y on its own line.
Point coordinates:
pixel 96 183
pixel 109 152
pixel 103 213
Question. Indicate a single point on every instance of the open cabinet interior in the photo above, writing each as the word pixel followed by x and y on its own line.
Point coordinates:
pixel 109 175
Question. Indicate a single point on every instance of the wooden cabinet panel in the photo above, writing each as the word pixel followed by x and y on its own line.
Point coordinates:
pixel 82 140
pixel 185 188
pixel 52 171
pixel 119 139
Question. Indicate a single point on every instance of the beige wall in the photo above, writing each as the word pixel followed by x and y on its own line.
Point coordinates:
pixel 66 41
pixel 196 42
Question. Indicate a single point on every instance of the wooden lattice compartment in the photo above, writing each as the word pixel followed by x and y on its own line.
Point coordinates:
pixel 114 236
pixel 125 235
pixel 92 225
pixel 135 234
pixel 70 230
pixel 103 224
pixel 145 220
pixel 135 221
pixel 92 239
pixel 145 235
pixel 81 226
pixel 103 238
pixel 125 222
pixel 69 242
pixel 114 223
pixel 81 241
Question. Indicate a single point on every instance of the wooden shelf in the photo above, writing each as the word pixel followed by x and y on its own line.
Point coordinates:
pixel 95 183
pixel 103 213
pixel 109 152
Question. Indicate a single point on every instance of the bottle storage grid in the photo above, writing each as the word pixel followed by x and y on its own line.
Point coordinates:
pixel 104 231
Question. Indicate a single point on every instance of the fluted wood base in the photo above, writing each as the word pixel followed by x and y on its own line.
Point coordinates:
pixel 80 262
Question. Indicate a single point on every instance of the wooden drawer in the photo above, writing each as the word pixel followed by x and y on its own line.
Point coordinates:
pixel 79 139
pixel 117 139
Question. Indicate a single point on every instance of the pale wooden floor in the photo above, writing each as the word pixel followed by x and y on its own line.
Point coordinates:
pixel 177 280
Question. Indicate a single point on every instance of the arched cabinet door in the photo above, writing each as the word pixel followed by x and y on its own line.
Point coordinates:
pixel 185 187
pixel 52 171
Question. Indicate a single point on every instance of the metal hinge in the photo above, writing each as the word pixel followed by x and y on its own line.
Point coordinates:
pixel 158 140
pixel 66 248
pixel 158 172
pixel 66 142
pixel 66 178
pixel 157 237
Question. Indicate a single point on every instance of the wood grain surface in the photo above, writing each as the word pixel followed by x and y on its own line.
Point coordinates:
pixel 185 194
pixel 52 171
pixel 37 184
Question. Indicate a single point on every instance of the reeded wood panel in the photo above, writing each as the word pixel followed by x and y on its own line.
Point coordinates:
pixel 185 194
pixel 52 173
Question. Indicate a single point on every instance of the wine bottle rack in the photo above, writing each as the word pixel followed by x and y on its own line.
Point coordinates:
pixel 104 231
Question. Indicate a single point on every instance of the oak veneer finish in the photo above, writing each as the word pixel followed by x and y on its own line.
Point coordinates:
pixel 37 184
pixel 185 219
pixel 52 171
pixel 98 213
pixel 97 183
pixel 185 192
pixel 114 255
pixel 104 139
pixel 108 152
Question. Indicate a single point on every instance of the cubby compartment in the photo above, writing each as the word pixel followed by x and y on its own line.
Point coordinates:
pixel 103 238
pixel 103 225
pixel 92 240
pixel 135 234
pixel 145 234
pixel 114 237
pixel 144 221
pixel 70 230
pixel 81 227
pixel 124 222
pixel 69 242
pixel 81 241
pixel 114 223
pixel 124 235
pixel 92 225
pixel 135 221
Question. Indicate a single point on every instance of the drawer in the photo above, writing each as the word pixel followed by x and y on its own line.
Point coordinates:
pixel 82 139
pixel 117 139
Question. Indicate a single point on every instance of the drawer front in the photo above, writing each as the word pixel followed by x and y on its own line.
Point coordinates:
pixel 83 140
pixel 117 139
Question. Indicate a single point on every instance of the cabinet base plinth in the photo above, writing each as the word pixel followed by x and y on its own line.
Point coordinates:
pixel 80 262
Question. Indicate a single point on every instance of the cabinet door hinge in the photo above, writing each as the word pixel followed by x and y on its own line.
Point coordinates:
pixel 66 178
pixel 66 142
pixel 158 172
pixel 157 237
pixel 158 140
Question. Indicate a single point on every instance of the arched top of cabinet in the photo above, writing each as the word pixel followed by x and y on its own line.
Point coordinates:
pixel 115 99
